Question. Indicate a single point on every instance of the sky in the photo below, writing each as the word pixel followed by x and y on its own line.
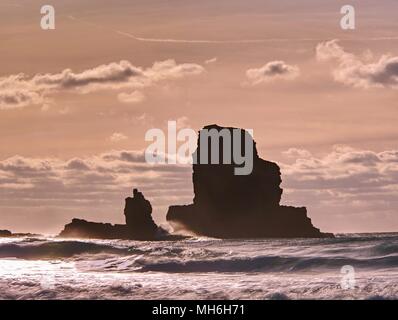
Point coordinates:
pixel 76 102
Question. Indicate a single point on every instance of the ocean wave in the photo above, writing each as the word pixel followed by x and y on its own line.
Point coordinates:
pixel 209 256
pixel 262 264
pixel 276 269
pixel 256 264
pixel 56 249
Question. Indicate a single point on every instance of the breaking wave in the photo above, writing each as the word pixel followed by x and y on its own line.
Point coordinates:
pixel 222 256
pixel 265 264
pixel 199 268
pixel 36 249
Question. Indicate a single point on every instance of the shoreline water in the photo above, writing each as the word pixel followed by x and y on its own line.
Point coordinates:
pixel 200 268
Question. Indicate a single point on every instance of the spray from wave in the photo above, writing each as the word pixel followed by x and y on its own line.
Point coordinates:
pixel 199 268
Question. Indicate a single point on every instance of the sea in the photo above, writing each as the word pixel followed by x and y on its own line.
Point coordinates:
pixel 350 266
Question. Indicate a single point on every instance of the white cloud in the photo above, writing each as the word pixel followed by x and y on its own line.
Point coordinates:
pixel 212 60
pixel 77 182
pixel 169 69
pixel 347 185
pixel 10 99
pixel 297 153
pixel 133 97
pixel 352 71
pixel 271 71
pixel 343 184
pixel 183 123
pixel 117 137
pixel 18 91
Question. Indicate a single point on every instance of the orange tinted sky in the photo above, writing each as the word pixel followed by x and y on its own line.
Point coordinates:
pixel 332 126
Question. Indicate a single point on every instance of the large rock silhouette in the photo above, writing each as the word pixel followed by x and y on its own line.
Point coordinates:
pixel 138 213
pixel 5 233
pixel 227 205
pixel 139 224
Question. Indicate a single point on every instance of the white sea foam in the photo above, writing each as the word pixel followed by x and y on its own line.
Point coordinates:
pixel 45 268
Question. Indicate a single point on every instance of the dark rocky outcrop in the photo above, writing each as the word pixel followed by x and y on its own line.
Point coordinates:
pixel 138 213
pixel 139 224
pixel 9 234
pixel 5 233
pixel 80 228
pixel 227 205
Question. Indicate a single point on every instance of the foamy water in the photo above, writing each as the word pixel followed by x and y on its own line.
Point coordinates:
pixel 46 268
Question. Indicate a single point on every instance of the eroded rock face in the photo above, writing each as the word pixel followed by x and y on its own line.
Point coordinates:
pixel 227 205
pixel 138 213
pixel 139 224
pixel 80 228
pixel 5 233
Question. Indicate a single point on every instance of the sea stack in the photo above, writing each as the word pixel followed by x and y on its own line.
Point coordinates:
pixel 5 233
pixel 138 213
pixel 139 224
pixel 227 205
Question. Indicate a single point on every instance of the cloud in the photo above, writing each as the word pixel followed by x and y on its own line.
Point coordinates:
pixel 118 168
pixel 344 185
pixel 87 186
pixel 77 164
pixel 113 74
pixel 20 90
pixel 297 153
pixel 117 137
pixel 124 155
pixel 183 123
pixel 271 71
pixel 10 99
pixel 212 60
pixel 133 97
pixel 352 71
pixel 347 187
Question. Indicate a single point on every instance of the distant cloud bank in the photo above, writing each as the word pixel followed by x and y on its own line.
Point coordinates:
pixel 352 71
pixel 20 90
pixel 340 184
pixel 271 71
